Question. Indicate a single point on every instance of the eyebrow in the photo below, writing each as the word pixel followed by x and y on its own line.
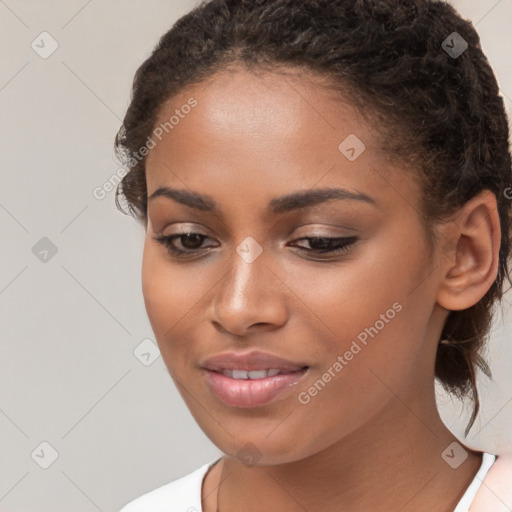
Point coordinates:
pixel 294 201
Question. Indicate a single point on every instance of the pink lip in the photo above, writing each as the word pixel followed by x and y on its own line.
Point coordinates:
pixel 252 360
pixel 251 392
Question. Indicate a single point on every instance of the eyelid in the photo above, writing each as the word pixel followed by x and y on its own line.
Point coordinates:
pixel 316 230
pixel 183 227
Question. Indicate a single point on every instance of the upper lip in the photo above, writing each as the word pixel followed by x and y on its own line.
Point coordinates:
pixel 253 360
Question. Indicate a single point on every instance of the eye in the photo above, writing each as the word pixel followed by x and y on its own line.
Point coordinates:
pixel 329 245
pixel 190 241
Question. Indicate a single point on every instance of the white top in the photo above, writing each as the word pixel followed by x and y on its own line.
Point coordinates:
pixel 184 494
pixel 468 497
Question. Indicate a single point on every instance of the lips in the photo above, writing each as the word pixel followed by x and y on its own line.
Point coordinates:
pixel 251 379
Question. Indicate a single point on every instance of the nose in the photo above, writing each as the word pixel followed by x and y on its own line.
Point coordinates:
pixel 249 297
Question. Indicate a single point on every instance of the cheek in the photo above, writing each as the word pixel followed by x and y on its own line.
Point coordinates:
pixel 169 298
pixel 373 312
pixel 159 296
pixel 369 295
pixel 369 357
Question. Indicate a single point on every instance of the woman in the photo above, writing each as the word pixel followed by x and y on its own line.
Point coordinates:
pixel 323 185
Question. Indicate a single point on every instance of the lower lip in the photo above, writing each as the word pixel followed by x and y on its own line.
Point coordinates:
pixel 251 392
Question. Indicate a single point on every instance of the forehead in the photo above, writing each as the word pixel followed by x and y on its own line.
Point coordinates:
pixel 266 134
pixel 239 102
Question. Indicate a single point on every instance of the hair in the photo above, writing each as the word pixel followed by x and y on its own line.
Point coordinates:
pixel 439 113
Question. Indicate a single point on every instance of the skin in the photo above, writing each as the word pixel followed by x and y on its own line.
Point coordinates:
pixel 372 438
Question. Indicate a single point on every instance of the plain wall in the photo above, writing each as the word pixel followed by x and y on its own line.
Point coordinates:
pixel 70 323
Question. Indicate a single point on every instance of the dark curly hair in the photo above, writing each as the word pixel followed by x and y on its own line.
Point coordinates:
pixel 440 112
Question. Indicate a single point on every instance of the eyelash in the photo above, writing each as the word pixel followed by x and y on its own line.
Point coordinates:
pixel 341 244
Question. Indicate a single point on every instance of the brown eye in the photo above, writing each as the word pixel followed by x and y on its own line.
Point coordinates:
pixel 191 243
pixel 321 244
pixel 191 240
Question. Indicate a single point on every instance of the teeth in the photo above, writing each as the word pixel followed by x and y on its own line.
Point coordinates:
pixel 254 374
pixel 239 374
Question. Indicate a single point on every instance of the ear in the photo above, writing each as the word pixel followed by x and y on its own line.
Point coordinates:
pixel 471 265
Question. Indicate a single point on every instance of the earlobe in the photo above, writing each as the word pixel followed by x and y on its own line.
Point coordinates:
pixel 473 265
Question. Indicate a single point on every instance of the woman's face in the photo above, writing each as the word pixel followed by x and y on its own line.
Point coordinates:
pixel 364 319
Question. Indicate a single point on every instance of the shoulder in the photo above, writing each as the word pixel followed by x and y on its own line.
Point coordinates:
pixel 495 493
pixel 183 494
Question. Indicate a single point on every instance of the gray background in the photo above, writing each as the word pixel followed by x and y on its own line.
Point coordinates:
pixel 72 323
